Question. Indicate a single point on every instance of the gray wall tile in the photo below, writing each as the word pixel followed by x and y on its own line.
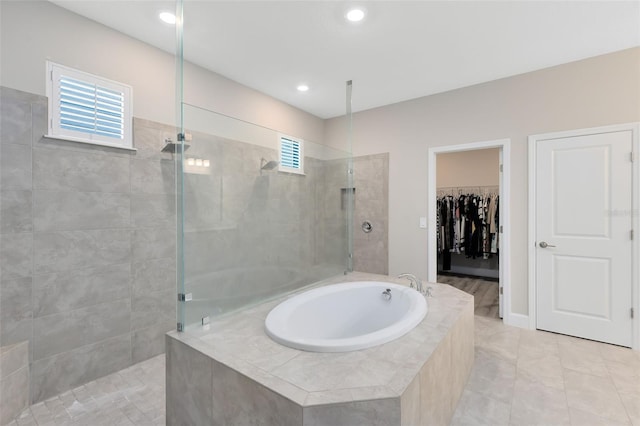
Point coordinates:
pixel 149 139
pixel 189 383
pixel 203 184
pixel 39 117
pixel 53 375
pixel 15 117
pixel 15 212
pixel 153 210
pixel 203 210
pixel 62 332
pixel 60 170
pixel 239 400
pixel 153 243
pixel 15 167
pixel 207 252
pixel 380 412
pixel 61 145
pixel 149 342
pixel 15 395
pixel 410 404
pixel 153 308
pixel 153 275
pixel 152 176
pixel 69 290
pixel 371 177
pixel 16 310
pixel 9 94
pixel 63 251
pixel 13 358
pixel 62 211
pixel 77 197
pixel 16 255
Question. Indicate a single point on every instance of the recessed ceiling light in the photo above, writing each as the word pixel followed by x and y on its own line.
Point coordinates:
pixel 303 88
pixel 167 17
pixel 355 15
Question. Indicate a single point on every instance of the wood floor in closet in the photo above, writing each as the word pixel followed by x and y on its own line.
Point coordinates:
pixel 485 292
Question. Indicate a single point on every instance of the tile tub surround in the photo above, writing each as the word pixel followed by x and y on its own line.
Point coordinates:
pixel 87 248
pixel 233 372
pixel 14 380
pixel 371 180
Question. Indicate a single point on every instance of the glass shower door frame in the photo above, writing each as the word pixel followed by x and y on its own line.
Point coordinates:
pixel 182 297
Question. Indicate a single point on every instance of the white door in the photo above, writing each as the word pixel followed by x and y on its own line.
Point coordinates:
pixel 583 236
pixel 501 242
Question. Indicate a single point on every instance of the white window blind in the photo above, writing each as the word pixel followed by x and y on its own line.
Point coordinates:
pixel 87 108
pixel 291 155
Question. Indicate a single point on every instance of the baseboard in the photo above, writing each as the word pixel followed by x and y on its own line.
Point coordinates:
pixel 517 320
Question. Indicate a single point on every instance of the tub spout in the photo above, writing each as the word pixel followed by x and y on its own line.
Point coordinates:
pixel 387 294
pixel 415 281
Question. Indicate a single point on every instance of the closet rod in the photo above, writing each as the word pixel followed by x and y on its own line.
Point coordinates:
pixel 468 189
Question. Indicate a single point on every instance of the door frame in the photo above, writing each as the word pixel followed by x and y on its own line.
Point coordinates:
pixel 635 213
pixel 505 216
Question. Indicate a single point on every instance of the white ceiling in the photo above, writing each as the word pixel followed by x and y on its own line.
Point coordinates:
pixel 402 50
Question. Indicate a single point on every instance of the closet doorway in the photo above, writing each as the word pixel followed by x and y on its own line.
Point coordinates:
pixel 468 222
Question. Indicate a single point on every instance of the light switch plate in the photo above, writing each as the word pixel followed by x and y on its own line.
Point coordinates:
pixel 423 222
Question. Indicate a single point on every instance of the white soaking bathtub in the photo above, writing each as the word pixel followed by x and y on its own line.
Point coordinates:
pixel 346 317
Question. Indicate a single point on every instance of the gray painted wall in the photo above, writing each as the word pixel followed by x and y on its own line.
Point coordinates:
pixel 87 248
pixel 34 31
pixel 594 92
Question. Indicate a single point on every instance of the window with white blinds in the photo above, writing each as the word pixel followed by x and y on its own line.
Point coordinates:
pixel 87 108
pixel 291 155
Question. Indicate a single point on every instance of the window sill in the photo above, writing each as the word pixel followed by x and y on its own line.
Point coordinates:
pixel 88 142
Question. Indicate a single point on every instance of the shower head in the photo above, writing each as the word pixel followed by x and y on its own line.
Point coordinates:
pixel 268 165
pixel 174 147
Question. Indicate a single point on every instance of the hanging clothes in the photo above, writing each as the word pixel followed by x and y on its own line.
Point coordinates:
pixel 467 224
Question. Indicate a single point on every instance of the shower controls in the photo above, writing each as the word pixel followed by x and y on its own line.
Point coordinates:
pixel 367 227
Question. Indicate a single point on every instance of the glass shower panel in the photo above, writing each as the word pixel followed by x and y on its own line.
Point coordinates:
pixel 351 189
pixel 250 231
pixel 179 163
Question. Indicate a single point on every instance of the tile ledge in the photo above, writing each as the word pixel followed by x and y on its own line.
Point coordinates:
pixel 87 142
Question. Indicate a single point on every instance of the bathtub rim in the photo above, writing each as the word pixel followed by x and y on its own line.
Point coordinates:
pixel 418 310
pixel 402 358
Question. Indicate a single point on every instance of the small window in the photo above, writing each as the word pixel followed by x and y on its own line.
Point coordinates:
pixel 291 155
pixel 87 108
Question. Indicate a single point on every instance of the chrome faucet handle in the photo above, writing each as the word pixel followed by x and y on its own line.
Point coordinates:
pixel 414 281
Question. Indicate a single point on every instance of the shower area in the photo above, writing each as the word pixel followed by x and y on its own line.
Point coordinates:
pixel 263 213
pixel 248 231
pixel 260 212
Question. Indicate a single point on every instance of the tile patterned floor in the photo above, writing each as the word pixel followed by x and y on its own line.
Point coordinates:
pixel 133 396
pixel 530 377
pixel 520 377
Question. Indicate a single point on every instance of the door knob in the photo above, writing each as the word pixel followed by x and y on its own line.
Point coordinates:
pixel 544 244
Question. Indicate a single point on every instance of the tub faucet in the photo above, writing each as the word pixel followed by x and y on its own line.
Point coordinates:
pixel 415 281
